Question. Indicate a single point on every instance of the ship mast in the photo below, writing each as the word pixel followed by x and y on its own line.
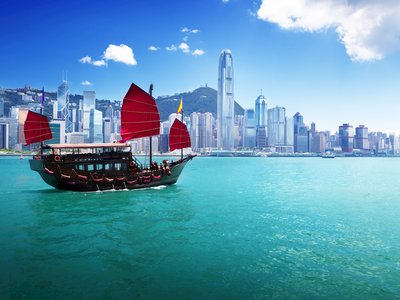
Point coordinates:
pixel 41 112
pixel 151 95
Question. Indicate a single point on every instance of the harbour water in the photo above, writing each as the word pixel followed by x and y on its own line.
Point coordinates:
pixel 234 228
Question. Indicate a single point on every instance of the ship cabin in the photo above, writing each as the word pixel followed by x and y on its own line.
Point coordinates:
pixel 105 158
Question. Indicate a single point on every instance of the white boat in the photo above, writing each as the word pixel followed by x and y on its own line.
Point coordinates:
pixel 328 155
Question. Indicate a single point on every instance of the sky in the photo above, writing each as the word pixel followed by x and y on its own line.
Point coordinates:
pixel 334 61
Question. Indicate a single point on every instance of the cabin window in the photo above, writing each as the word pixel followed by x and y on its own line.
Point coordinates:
pixel 117 166
pixel 90 167
pixel 107 167
pixel 80 167
pixel 99 167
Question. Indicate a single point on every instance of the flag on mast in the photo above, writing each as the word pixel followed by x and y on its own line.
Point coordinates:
pixel 180 107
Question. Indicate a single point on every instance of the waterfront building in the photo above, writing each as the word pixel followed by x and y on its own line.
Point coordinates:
pixel 289 132
pixel 361 138
pixel 318 142
pixel 276 126
pixel 96 126
pixel 57 127
pixel 63 103
pixel 208 124
pixel 1 107
pixel 301 134
pixel 225 101
pixel 346 137
pixel 109 113
pixel 394 144
pixel 12 131
pixel 75 137
pixel 261 121
pixel 4 136
pixel 249 129
pixel 54 104
pixel 107 126
pixel 195 129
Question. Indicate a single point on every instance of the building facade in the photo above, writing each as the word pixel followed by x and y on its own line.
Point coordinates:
pixel 225 101
pixel 346 137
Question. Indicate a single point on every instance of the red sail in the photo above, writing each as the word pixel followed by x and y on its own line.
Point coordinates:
pixel 178 136
pixel 36 128
pixel 139 116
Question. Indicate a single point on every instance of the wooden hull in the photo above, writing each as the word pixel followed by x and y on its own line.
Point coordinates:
pixel 52 174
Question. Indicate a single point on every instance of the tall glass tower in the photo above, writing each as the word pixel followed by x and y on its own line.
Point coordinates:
pixel 63 105
pixel 225 102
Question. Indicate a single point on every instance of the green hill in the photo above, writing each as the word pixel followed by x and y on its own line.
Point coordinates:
pixel 201 100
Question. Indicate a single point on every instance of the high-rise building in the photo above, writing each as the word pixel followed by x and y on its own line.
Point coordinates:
pixel 195 130
pixel 361 138
pixel 301 134
pixel 346 136
pixel 4 136
pixel 208 122
pixel 1 107
pixel 249 129
pixel 318 142
pixel 289 132
pixel 276 126
pixel 225 101
pixel 107 126
pixel 63 104
pixel 57 128
pixel 261 121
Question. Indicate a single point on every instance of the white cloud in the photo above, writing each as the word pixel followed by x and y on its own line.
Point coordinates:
pixel 171 48
pixel 187 30
pixel 225 1
pixel 198 52
pixel 88 60
pixel 99 63
pixel 121 53
pixel 154 48
pixel 86 82
pixel 184 47
pixel 368 29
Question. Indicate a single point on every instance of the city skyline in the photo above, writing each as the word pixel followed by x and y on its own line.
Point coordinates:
pixel 302 64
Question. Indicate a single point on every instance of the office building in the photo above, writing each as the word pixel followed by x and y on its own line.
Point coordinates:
pixel 225 101
pixel 361 138
pixel 276 126
pixel 249 128
pixel 346 137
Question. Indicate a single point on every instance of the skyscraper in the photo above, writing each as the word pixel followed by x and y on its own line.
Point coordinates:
pixel 362 138
pixel 261 121
pixel 225 101
pixel 346 136
pixel 276 126
pixel 249 129
pixel 1 107
pixel 301 136
pixel 63 104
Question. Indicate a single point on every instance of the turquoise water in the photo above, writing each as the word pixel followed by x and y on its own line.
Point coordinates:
pixel 235 228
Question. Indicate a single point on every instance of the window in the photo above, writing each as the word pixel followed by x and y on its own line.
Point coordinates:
pixel 99 167
pixel 90 167
pixel 107 167
pixel 117 166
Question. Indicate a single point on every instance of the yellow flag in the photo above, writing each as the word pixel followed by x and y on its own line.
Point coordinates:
pixel 180 107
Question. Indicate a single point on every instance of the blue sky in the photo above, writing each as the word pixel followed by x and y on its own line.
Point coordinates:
pixel 333 61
